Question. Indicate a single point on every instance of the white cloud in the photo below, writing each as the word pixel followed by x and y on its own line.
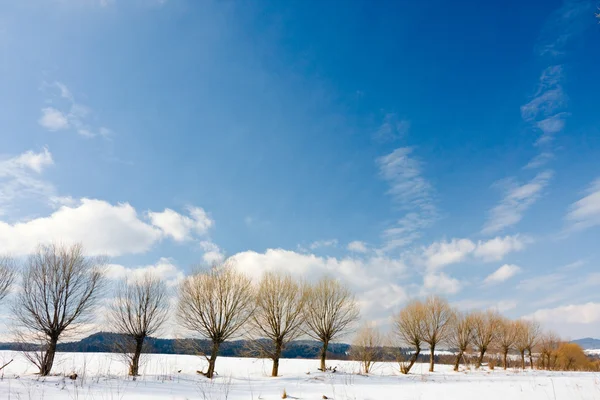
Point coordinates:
pixel 440 254
pixel 570 314
pixel 585 213
pixel 411 192
pixel 19 178
pixel 495 249
pixel 181 227
pixel 101 227
pixel 517 199
pixel 392 128
pixel 440 283
pixel 53 119
pixel 443 253
pixel 357 246
pixel 163 269
pixel 502 274
pixel 539 160
pixel 323 243
pixel 212 253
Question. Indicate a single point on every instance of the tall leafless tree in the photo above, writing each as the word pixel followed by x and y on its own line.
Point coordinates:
pixel 216 304
pixel 139 309
pixel 461 335
pixel 8 272
pixel 485 329
pixel 280 301
pixel 533 335
pixel 507 335
pixel 330 312
pixel 436 324
pixel 549 343
pixel 60 288
pixel 367 347
pixel 408 326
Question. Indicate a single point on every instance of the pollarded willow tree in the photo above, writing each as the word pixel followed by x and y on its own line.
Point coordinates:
pixel 60 289
pixel 435 326
pixel 8 272
pixel 461 335
pixel 331 310
pixel 526 336
pixel 367 347
pixel 408 327
pixel 485 327
pixel 507 335
pixel 140 308
pixel 216 304
pixel 278 317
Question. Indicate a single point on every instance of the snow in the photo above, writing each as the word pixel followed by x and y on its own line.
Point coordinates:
pixel 103 377
pixel 592 352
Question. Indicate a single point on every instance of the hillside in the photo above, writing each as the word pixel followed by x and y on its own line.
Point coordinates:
pixel 588 343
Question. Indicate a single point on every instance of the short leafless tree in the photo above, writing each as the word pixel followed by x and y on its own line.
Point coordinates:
pixel 330 312
pixel 280 301
pixel 548 344
pixel 436 324
pixel 408 326
pixel 367 347
pixel 139 309
pixel 527 334
pixel 8 272
pixel 507 335
pixel 59 290
pixel 216 304
pixel 461 334
pixel 485 326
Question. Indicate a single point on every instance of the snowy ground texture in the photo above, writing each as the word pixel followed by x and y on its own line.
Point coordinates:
pixel 103 376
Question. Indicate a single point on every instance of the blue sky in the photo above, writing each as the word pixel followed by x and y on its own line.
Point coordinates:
pixel 406 148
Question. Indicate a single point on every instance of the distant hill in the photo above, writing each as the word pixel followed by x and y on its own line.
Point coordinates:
pixel 588 343
pixel 106 342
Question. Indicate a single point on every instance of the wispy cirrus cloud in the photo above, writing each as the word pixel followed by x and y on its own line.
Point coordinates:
pixel 411 193
pixel 67 114
pixel 517 199
pixel 585 212
pixel 392 128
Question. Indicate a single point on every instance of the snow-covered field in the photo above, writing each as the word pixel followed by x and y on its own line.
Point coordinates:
pixel 103 376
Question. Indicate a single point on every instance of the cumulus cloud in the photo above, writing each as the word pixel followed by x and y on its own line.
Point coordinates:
pixel 502 274
pixel 585 213
pixel 357 246
pixel 440 254
pixel 164 269
pixel 570 314
pixel 181 227
pixel 212 253
pixel 517 199
pixel 440 283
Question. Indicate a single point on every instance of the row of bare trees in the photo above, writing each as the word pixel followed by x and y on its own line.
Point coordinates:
pixel 60 288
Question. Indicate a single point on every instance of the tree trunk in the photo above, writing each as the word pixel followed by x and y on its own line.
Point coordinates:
pixel 505 358
pixel 48 359
pixel 457 362
pixel 530 359
pixel 413 359
pixel 278 347
pixel 134 367
pixel 212 360
pixel 324 354
pixel 522 359
pixel 480 358
pixel 431 357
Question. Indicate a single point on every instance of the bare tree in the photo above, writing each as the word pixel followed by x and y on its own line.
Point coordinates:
pixel 549 343
pixel 367 347
pixel 533 334
pixel 8 272
pixel 485 325
pixel 507 335
pixel 408 327
pixel 330 312
pixel 60 288
pixel 436 324
pixel 461 335
pixel 278 317
pixel 139 310
pixel 216 304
